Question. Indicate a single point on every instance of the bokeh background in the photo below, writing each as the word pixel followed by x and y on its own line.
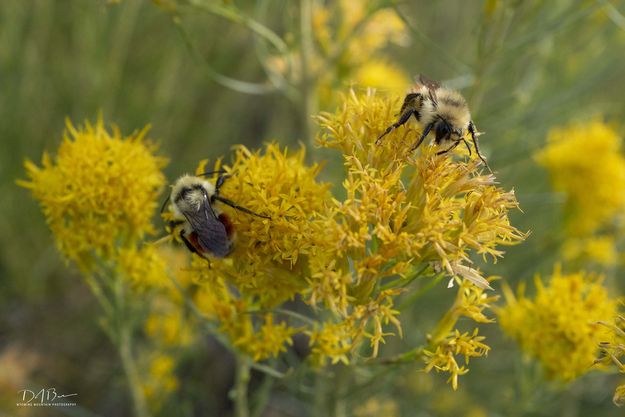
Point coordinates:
pixel 525 67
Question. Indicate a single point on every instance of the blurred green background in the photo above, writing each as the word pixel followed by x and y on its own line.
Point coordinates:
pixel 524 66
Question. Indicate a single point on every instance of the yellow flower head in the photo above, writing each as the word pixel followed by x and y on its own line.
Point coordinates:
pixel 161 380
pixel 383 76
pixel 269 254
pixel 410 206
pixel 401 213
pixel 560 326
pixel 585 163
pixel 99 191
pixel 597 249
pixel 443 359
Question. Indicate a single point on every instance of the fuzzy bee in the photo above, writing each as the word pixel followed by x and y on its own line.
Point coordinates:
pixel 197 219
pixel 441 110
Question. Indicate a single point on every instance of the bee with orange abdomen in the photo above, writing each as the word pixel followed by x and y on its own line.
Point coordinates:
pixel 440 110
pixel 197 218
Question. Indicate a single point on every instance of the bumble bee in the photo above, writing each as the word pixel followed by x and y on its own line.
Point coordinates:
pixel 197 220
pixel 440 109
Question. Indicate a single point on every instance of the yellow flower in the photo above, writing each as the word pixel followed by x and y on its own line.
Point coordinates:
pixel 409 206
pixel 455 344
pixel 351 258
pixel 383 76
pixel 362 37
pixel 585 163
pixel 161 380
pixel 168 325
pixel 560 326
pixel 269 254
pixel 145 267
pixel 376 407
pixel 99 191
pixel 599 249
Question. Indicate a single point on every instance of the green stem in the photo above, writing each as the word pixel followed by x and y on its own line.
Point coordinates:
pixel 132 373
pixel 262 396
pixel 242 379
pixel 233 15
pixel 319 395
pixel 307 87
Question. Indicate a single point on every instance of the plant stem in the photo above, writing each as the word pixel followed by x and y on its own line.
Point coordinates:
pixel 132 374
pixel 307 86
pixel 241 407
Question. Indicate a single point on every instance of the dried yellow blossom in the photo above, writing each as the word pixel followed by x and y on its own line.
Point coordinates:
pixel 559 326
pixel 456 344
pixel 585 163
pixel 99 191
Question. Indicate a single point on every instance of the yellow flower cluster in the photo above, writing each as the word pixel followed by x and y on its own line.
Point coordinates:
pixel 559 326
pixel 447 343
pixel 99 192
pixel 585 163
pixel 352 34
pixel 350 259
pixel 161 380
pixel 612 352
pixel 456 344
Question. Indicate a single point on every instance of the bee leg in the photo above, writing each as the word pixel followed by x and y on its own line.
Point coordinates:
pixel 192 248
pixel 477 149
pixel 402 120
pixel 407 101
pixel 237 207
pixel 448 149
pixel 423 135
pixel 220 181
pixel 467 145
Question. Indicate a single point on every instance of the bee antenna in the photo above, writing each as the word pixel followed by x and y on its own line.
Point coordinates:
pixel 206 174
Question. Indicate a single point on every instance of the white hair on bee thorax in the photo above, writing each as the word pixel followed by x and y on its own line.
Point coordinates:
pixel 194 198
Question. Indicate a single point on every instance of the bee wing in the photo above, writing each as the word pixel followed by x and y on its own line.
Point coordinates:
pixel 211 233
pixel 431 85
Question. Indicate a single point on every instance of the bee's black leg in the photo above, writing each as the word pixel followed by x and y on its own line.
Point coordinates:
pixel 448 149
pixel 409 97
pixel 402 120
pixel 220 181
pixel 477 149
pixel 192 248
pixel 467 145
pixel 237 207
pixel 423 135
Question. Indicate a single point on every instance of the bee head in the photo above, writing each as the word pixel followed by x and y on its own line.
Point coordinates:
pixel 444 131
pixel 189 192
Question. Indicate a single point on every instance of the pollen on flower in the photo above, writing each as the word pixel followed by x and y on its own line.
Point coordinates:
pixel 98 191
pixel 560 325
pixel 585 163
